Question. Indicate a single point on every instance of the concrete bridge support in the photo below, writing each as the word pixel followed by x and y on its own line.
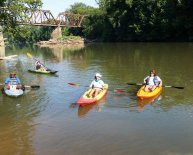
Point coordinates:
pixel 2 43
pixel 56 34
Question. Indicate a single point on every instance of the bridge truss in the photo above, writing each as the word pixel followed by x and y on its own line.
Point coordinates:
pixel 40 17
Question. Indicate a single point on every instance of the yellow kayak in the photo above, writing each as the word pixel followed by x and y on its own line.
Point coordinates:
pixel 84 99
pixel 143 95
pixel 43 71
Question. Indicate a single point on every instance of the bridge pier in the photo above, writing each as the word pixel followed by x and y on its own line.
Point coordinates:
pixel 57 33
pixel 1 37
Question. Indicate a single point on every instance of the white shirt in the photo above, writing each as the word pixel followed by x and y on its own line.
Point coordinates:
pixel 151 81
pixel 97 84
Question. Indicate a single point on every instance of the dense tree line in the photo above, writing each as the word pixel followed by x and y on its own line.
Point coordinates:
pixel 115 20
pixel 139 20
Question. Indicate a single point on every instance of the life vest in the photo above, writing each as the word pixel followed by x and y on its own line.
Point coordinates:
pixel 155 80
pixel 13 81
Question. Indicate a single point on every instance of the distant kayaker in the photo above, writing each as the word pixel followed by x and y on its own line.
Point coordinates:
pixel 97 85
pixel 13 80
pixel 39 66
pixel 152 81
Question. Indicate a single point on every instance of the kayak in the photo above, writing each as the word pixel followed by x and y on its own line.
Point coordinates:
pixel 43 71
pixel 13 92
pixel 8 57
pixel 141 94
pixel 85 100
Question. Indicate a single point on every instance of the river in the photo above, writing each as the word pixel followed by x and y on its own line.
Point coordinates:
pixel 47 121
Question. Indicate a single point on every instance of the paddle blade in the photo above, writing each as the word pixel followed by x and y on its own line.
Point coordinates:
pixel 32 86
pixel 29 55
pixel 35 86
pixel 178 87
pixel 119 90
pixel 73 84
pixel 174 87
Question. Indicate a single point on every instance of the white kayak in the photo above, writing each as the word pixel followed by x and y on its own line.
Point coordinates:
pixel 13 91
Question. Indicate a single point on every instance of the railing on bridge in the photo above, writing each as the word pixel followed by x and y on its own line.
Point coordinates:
pixel 45 18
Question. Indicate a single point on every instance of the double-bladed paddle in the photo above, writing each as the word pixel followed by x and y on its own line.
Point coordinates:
pixel 30 56
pixel 115 90
pixel 27 86
pixel 47 69
pixel 140 84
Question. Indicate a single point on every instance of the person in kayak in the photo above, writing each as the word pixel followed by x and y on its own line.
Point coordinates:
pixel 97 85
pixel 12 80
pixel 39 66
pixel 152 81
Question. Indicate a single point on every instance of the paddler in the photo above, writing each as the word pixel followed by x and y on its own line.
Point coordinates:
pixel 152 81
pixel 39 66
pixel 97 85
pixel 12 80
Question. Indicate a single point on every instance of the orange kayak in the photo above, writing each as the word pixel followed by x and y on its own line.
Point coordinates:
pixel 85 100
pixel 141 94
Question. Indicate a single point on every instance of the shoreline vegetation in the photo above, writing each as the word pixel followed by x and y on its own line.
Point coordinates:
pixel 111 21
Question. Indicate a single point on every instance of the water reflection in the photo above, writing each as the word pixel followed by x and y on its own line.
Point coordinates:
pixel 84 110
pixel 59 52
pixel 142 103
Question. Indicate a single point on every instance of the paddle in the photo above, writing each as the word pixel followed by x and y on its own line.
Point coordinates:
pixel 32 86
pixel 119 90
pixel 115 90
pixel 30 56
pixel 27 86
pixel 75 84
pixel 139 84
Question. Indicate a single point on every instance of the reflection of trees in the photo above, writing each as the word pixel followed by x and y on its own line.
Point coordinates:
pixel 17 125
pixel 132 61
pixel 17 115
pixel 59 52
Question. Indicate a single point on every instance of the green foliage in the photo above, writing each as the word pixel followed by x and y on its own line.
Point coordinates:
pixel 14 9
pixel 114 20
pixel 22 34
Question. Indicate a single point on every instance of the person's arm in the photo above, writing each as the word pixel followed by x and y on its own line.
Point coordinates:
pixel 103 84
pixel 91 85
pixel 18 81
pixel 145 80
pixel 7 80
pixel 160 82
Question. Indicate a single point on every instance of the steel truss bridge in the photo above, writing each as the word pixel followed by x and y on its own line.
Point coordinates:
pixel 40 17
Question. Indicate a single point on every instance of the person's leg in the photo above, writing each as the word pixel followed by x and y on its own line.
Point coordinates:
pixel 19 86
pixel 146 89
pixel 7 86
pixel 153 88
pixel 91 93
pixel 97 92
